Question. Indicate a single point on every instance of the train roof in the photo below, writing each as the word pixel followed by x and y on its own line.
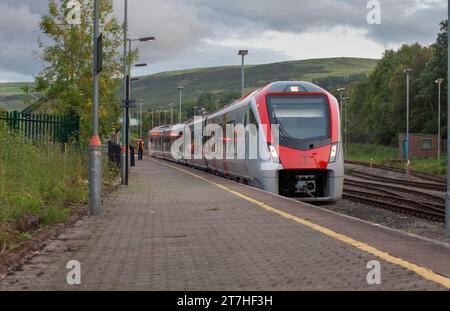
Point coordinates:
pixel 294 86
pixel 159 129
pixel 168 128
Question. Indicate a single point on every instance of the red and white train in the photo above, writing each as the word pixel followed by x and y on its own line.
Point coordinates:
pixel 308 160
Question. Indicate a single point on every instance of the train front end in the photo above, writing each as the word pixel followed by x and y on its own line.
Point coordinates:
pixel 309 149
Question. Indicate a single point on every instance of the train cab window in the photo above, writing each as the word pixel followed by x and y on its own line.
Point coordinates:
pixel 304 121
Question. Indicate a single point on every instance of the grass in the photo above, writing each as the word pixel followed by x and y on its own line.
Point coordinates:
pixel 41 183
pixel 386 155
pixel 371 153
pixel 13 88
pixel 431 165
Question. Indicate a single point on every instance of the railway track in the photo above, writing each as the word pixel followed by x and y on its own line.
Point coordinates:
pixel 425 176
pixel 397 190
pixel 394 203
pixel 397 181
pixel 397 194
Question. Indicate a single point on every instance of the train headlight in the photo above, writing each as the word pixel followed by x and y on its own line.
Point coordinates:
pixel 333 153
pixel 273 153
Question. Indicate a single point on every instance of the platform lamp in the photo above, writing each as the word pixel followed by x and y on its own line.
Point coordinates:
pixel 171 112
pixel 345 100
pixel 126 96
pixel 243 53
pixel 447 194
pixel 128 102
pixel 407 71
pixel 439 82
pixel 141 101
pixel 341 107
pixel 180 90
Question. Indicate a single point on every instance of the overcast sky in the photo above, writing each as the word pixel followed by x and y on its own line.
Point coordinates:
pixel 200 33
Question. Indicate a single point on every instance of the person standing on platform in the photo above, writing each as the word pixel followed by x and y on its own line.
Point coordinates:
pixel 140 149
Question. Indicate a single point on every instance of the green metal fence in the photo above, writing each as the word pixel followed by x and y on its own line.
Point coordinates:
pixel 43 128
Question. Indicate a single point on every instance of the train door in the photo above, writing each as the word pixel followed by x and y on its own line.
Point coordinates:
pixel 240 141
pixel 220 162
pixel 251 147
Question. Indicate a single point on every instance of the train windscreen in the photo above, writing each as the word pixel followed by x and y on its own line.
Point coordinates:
pixel 304 121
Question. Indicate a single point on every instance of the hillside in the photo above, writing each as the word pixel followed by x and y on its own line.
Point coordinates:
pixel 160 89
pixel 12 96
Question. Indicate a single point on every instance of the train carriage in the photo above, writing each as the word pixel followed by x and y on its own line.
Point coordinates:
pixel 303 159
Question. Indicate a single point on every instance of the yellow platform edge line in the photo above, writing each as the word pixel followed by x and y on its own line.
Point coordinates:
pixel 422 271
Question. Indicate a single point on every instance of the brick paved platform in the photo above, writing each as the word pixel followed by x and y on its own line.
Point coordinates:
pixel 169 230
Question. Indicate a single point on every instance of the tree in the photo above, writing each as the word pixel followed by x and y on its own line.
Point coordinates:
pixel 377 107
pixel 66 80
pixel 436 68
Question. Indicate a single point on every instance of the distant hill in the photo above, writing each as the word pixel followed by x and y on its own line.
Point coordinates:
pixel 12 96
pixel 158 90
pixel 161 89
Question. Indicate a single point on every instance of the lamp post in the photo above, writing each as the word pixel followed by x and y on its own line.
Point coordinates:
pixel 141 101
pixel 133 79
pixel 447 194
pixel 127 117
pixel 243 53
pixel 345 100
pixel 341 90
pixel 152 118
pixel 171 113
pixel 180 89
pixel 123 151
pixel 126 97
pixel 95 146
pixel 217 104
pixel 439 82
pixel 407 72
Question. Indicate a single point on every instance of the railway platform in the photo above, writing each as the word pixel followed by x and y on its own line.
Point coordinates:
pixel 176 228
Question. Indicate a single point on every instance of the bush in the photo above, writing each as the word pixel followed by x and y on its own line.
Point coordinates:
pixel 40 182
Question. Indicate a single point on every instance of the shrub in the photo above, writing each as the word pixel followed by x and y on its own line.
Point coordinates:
pixel 40 182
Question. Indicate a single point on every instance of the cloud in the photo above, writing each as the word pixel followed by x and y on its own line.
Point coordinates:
pixel 409 21
pixel 402 20
pixel 193 33
pixel 18 30
pixel 174 24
